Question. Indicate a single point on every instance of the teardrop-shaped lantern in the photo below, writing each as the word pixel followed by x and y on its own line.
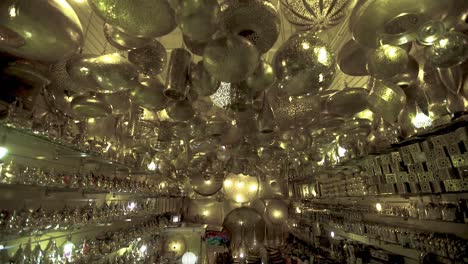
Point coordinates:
pixel 198 20
pixel 150 59
pixel 40 30
pixel 230 58
pixel 109 73
pixel 304 64
pixel 202 82
pixel 147 18
pixel 121 40
pixel 150 94
pixel 256 20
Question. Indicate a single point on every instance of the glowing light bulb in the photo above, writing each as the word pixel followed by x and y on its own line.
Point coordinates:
pixel 152 166
pixel 298 210
pixel 228 183
pixel 421 120
pixel 253 187
pixel 341 151
pixel 3 152
pixel 332 234
pixel 378 206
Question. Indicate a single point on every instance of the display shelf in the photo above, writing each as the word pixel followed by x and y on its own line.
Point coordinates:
pixel 389 198
pixel 392 248
pixel 458 229
pixel 28 144
pixel 89 230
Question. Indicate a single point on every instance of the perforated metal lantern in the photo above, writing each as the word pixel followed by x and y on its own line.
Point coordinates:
pixel 256 20
pixel 304 64
pixel 147 18
pixel 315 14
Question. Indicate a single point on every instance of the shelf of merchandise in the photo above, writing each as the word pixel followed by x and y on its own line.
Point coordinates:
pixel 76 233
pixel 24 143
pixel 392 248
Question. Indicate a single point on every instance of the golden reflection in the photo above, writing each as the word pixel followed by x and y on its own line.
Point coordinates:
pixel 240 188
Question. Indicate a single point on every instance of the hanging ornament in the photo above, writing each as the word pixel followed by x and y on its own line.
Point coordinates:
pixel 430 32
pixel 181 111
pixel 246 226
pixel 120 102
pixel 149 59
pixel 387 61
pixel 239 187
pixel 449 50
pixel 45 31
pixel 109 73
pixel 315 15
pixel 266 120
pixel 196 47
pixel 230 58
pixel 198 20
pixel 396 23
pixel 90 106
pixel 121 40
pixel 304 64
pixel 347 102
pixel 352 59
pixel 177 74
pixel 257 21
pixel 146 18
pixel 202 82
pixel 150 94
pixel 387 100
pixel 262 78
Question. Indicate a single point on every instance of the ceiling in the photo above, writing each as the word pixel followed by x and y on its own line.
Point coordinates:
pixel 96 43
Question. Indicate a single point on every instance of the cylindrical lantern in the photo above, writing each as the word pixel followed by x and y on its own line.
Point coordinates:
pixel 177 73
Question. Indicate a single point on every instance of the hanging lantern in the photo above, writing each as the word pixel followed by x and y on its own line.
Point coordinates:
pixel 315 15
pixel 230 58
pixel 202 82
pixel 43 30
pixel 148 18
pixel 177 74
pixel 109 73
pixel 198 20
pixel 150 94
pixel 121 40
pixel 304 64
pixel 257 21
pixel 387 61
pixel 149 59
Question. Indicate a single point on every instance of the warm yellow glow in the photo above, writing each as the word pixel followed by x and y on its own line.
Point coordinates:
pixel 390 51
pixel 323 56
pixel 206 213
pixel 298 210
pixel 208 182
pixel 110 58
pixel 12 11
pixel 227 183
pixel 152 166
pixel 341 151
pixel 305 45
pixel 314 193
pixel 175 246
pixel 253 188
pixel 240 185
pixel 80 1
pixel 321 77
pixel 239 198
pixel 421 120
pixel 162 184
pixel 3 152
pixel 162 115
pixel 443 42
pixel 365 114
pixel 277 214
pixel 378 206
